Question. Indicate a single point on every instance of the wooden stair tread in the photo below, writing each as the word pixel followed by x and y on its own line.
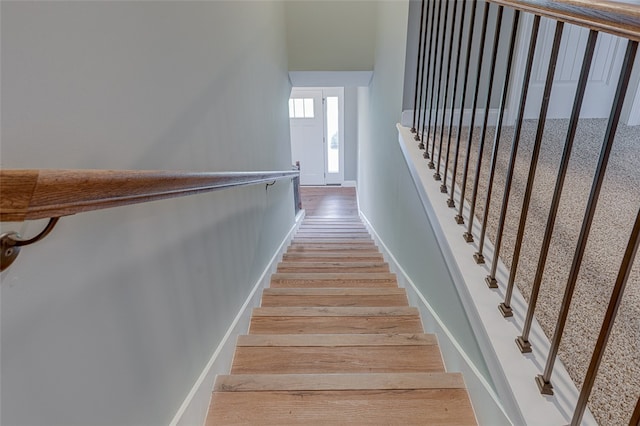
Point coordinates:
pixel 336 325
pixel 332 257
pixel 332 279
pixel 355 266
pixel 336 275
pixel 335 340
pixel 333 227
pixel 326 233
pixel 311 311
pixel 333 248
pixel 333 264
pixel 336 248
pixel 308 219
pixel 332 240
pixel 365 407
pixel 336 359
pixel 384 296
pixel 311 242
pixel 333 300
pixel 337 382
pixel 365 291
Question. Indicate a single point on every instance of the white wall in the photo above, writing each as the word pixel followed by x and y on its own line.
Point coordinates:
pixel 113 317
pixel 387 193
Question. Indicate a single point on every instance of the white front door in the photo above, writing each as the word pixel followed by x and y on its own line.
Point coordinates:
pixel 316 117
pixel 306 118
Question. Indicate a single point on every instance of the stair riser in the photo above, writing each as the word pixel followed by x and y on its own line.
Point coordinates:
pixel 305 267
pixel 328 248
pixel 332 228
pixel 332 257
pixel 339 228
pixel 337 382
pixel 338 237
pixel 332 283
pixel 318 232
pixel 324 269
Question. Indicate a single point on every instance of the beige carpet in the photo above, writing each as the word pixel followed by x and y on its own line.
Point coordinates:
pixel 617 386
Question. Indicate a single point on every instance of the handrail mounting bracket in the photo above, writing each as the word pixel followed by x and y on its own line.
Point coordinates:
pixel 10 244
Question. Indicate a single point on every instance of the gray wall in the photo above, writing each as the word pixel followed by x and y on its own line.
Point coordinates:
pixel 334 36
pixel 387 193
pixel 113 317
pixel 350 133
pixel 330 35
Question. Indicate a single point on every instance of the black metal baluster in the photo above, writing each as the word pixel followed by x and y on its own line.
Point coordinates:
pixel 442 46
pixel 478 256
pixel 450 201
pixel 635 417
pixel 544 380
pixel 468 236
pixel 434 47
pixel 491 278
pixel 505 307
pixel 607 323
pixel 443 187
pixel 523 341
pixel 431 11
pixel 459 217
pixel 446 95
pixel 423 85
pixel 419 73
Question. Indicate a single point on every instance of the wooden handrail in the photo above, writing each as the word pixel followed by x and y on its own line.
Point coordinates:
pixel 38 194
pixel 615 17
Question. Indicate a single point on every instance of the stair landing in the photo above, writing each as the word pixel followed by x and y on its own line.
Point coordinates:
pixel 335 342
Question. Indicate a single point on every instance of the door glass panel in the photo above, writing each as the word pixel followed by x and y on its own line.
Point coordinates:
pixel 291 110
pixel 308 108
pixel 333 138
pixel 299 107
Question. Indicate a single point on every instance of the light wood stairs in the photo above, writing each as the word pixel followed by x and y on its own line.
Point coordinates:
pixel 335 342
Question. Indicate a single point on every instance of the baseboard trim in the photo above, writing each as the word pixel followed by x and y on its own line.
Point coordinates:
pixel 193 410
pixel 454 356
pixel 511 372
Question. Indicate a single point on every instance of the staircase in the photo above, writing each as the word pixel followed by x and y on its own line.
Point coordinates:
pixel 335 342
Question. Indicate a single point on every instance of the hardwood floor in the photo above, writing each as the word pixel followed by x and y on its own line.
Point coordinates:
pixel 329 201
pixel 334 341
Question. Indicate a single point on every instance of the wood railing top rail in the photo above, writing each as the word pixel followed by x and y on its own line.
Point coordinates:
pixel 621 18
pixel 38 194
